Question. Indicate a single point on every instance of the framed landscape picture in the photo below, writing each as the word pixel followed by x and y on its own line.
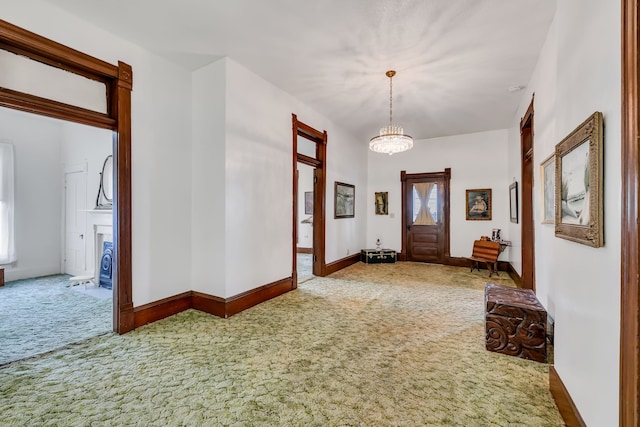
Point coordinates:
pixel 478 204
pixel 344 200
pixel 578 191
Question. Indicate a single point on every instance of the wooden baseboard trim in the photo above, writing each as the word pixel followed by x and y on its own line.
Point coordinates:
pixel 304 250
pixel 334 266
pixel 160 309
pixel 457 262
pixel 514 275
pixel 248 299
pixel 208 303
pixel 217 306
pixel 565 404
pixel 464 262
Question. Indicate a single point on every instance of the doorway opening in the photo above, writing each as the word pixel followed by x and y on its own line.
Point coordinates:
pixel 118 82
pixel 304 257
pixel 528 237
pixel 51 297
pixel 425 216
pixel 309 162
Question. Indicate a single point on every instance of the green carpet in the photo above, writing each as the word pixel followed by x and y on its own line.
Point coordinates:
pixel 372 345
pixel 42 314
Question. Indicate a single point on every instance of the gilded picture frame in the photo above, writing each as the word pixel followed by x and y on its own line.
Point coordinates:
pixel 547 190
pixel 382 203
pixel 579 184
pixel 478 204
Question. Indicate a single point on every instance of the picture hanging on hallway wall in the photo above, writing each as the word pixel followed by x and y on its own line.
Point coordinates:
pixel 479 205
pixel 579 176
pixel 308 202
pixel 344 200
pixel 548 188
pixel 513 202
pixel 382 203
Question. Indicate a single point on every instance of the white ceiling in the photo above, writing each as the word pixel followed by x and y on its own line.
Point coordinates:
pixel 455 59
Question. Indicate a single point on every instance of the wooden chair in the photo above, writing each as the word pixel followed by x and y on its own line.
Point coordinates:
pixel 485 251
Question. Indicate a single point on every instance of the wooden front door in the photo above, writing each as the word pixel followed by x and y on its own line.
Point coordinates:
pixel 425 217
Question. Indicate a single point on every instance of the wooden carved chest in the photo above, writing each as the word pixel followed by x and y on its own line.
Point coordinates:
pixel 515 323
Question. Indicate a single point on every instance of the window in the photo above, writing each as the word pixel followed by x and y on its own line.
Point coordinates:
pixel 425 204
pixel 7 242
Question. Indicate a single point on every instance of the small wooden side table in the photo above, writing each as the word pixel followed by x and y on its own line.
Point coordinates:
pixel 1 276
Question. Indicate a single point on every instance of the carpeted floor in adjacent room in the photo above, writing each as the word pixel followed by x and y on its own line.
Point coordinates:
pixel 372 345
pixel 44 313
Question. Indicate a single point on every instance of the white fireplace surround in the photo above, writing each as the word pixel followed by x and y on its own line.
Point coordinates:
pixel 101 233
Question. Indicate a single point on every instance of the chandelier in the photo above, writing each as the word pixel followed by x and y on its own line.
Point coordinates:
pixel 391 138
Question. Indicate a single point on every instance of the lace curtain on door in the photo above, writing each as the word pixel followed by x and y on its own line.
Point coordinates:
pixel 423 191
pixel 7 243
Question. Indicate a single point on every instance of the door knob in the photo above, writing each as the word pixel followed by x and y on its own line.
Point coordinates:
pixel 82 236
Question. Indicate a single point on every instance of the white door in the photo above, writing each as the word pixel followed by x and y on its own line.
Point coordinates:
pixel 75 217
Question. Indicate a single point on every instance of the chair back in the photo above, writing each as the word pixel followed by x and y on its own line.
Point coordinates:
pixel 486 249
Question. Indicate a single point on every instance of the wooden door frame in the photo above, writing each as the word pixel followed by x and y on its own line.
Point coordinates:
pixel 445 176
pixel 630 253
pixel 319 195
pixel 527 226
pixel 118 80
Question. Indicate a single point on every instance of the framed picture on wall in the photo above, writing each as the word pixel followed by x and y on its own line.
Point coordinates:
pixel 579 204
pixel 382 203
pixel 344 200
pixel 548 188
pixel 513 202
pixel 308 202
pixel 479 204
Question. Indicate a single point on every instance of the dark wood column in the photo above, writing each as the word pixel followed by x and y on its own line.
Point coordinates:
pixel 630 242
pixel 123 313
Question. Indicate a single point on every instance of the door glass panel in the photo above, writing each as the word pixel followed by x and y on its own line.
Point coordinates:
pixel 425 203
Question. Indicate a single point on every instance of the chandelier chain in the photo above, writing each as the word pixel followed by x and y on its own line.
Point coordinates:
pixel 390 100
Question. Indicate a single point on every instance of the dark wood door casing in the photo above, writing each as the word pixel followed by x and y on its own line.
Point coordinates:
pixel 300 129
pixel 119 83
pixel 630 242
pixel 527 230
pixel 441 242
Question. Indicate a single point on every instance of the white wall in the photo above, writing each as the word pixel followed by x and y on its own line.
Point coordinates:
pixel 578 73
pixel 477 160
pixel 208 179
pixel 161 146
pixel 259 181
pixel 38 219
pixel 245 177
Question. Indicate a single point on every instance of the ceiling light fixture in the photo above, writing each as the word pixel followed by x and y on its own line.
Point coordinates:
pixel 392 138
